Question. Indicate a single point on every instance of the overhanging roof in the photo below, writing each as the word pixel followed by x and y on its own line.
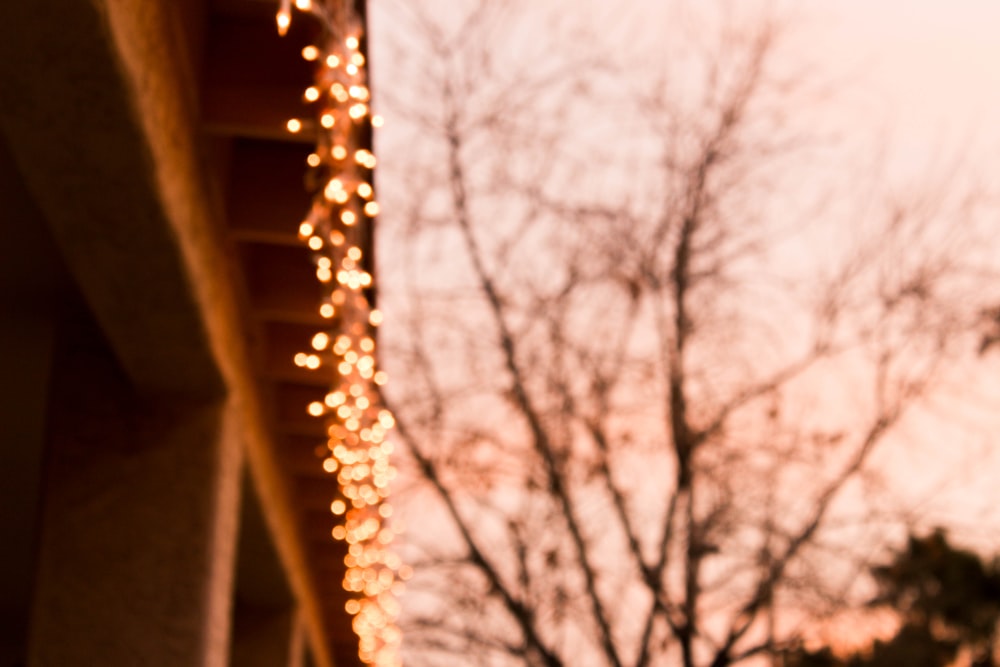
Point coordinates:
pixel 151 137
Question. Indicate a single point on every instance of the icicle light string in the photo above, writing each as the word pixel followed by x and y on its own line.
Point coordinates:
pixel 337 230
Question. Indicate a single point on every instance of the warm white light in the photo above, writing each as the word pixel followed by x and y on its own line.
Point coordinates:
pixel 320 341
pixel 339 92
pixel 357 426
pixel 283 19
pixel 333 187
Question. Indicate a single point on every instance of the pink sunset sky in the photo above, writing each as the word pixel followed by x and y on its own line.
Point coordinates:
pixel 922 76
pixel 932 67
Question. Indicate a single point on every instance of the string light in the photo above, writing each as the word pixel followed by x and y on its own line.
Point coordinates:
pixel 336 230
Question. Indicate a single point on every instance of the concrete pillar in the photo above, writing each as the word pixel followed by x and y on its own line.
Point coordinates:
pixel 268 638
pixel 139 517
pixel 24 356
pixel 29 278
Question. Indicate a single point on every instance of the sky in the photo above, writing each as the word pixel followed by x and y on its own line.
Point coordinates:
pixel 919 79
pixel 922 76
pixel 928 72
pixel 930 69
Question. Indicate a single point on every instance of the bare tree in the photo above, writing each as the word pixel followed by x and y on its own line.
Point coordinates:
pixel 646 363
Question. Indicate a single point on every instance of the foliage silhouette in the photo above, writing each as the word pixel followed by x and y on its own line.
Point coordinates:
pixel 947 600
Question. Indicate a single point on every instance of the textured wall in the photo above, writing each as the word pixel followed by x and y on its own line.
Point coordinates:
pixel 139 518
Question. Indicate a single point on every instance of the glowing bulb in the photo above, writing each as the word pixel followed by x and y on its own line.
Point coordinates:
pixel 303 5
pixel 333 187
pixel 320 341
pixel 283 19
pixel 358 447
